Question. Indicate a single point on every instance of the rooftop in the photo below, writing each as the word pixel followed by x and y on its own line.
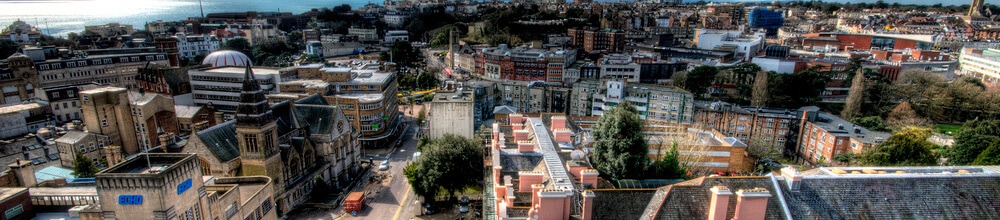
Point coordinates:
pixel 19 107
pixel 241 70
pixel 843 128
pixel 148 163
pixel 454 96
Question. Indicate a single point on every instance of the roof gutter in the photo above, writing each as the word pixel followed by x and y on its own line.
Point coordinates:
pixel 781 198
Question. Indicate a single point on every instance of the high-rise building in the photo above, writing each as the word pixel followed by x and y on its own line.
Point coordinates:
pixel 452 113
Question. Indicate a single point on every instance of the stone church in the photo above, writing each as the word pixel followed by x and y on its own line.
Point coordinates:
pixel 296 143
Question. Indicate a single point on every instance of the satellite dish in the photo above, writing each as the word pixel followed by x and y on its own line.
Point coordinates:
pixel 578 155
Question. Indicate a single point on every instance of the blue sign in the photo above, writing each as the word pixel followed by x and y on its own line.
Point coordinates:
pixel 130 199
pixel 184 186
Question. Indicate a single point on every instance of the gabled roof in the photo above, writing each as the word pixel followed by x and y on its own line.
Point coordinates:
pixel 315 99
pixel 320 119
pixel 690 199
pixel 503 109
pixel 621 204
pixel 282 112
pixel 221 140
pixel 884 197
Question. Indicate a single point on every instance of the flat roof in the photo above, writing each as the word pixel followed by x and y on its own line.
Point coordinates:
pixel 19 107
pixel 148 163
pixel 103 89
pixel 7 192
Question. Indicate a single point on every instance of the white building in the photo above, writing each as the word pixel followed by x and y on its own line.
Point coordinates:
pixel 394 19
pixel 654 102
pixel 619 66
pixel 191 46
pixel 452 113
pixel 221 86
pixel 397 36
pixel 364 34
pixel 775 64
pixel 332 49
pixel 982 64
pixel 745 47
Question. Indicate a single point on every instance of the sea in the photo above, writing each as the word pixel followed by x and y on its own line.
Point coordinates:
pixel 60 17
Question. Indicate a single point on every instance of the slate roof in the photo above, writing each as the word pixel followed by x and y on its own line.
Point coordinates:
pixel 511 164
pixel 221 140
pixel 315 99
pixel 282 112
pixel 690 199
pixel 945 197
pixel 72 137
pixel 621 204
pixel 319 119
pixel 503 109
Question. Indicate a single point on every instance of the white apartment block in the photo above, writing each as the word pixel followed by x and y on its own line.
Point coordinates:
pixel 221 86
pixel 619 66
pixel 982 64
pixel 192 46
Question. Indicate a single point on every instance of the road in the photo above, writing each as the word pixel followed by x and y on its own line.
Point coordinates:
pixel 394 199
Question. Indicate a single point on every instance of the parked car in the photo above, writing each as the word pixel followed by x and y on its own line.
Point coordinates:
pixel 428 209
pixel 463 205
pixel 384 165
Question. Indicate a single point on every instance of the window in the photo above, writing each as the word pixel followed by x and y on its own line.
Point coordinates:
pixel 231 210
pixel 14 211
pixel 104 122
pixel 854 145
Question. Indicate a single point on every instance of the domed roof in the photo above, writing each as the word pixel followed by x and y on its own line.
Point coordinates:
pixel 226 58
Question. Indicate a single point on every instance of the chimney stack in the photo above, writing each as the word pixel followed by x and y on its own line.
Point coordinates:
pixel 751 204
pixel 588 205
pixel 520 135
pixel 720 203
pixel 589 177
pixel 525 146
pixel 792 178
pixel 25 173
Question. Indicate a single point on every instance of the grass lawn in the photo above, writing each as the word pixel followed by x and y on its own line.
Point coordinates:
pixel 949 129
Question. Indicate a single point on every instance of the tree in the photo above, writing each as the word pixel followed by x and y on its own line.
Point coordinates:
pixel 906 147
pixel 904 115
pixel 990 156
pixel 7 48
pixel 856 97
pixel 620 151
pixel 84 167
pixel 667 167
pixel 759 94
pixel 972 140
pixel 238 44
pixel 874 123
pixel 698 80
pixel 402 53
pixel 449 163
pixel 797 90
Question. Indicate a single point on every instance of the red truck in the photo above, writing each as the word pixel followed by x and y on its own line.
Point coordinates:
pixel 354 202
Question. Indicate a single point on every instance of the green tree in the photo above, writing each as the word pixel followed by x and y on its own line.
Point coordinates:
pixel 402 53
pixel 874 123
pixel 973 140
pixel 7 48
pixel 906 147
pixel 84 167
pixel 797 90
pixel 238 44
pixel 698 80
pixel 990 156
pixel 620 151
pixel 449 163
pixel 667 167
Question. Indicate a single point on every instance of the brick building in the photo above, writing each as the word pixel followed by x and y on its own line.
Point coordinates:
pixel 599 41
pixel 823 136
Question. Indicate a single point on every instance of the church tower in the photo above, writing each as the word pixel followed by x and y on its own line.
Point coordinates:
pixel 257 132
pixel 975 10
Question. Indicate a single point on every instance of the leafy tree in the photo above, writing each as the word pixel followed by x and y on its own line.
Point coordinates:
pixel 990 156
pixel 844 157
pixel 238 44
pixel 797 90
pixel 83 167
pixel 667 167
pixel 855 98
pixel 343 8
pixel 904 115
pixel 402 53
pixel 7 48
pixel 698 80
pixel 906 147
pixel 449 163
pixel 973 139
pixel 874 123
pixel 620 151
